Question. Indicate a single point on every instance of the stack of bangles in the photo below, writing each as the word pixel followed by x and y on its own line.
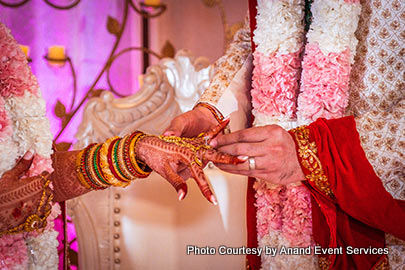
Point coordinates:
pixel 112 163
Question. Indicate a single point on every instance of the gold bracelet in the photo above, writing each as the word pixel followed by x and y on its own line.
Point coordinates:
pixel 97 180
pixel 133 158
pixel 214 111
pixel 79 166
pixel 36 221
pixel 104 165
pixel 113 162
pixel 121 160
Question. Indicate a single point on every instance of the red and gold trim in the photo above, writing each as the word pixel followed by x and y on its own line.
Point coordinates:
pixel 382 264
pixel 310 163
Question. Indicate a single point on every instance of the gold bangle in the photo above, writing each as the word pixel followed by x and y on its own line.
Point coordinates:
pixel 102 183
pixel 104 166
pixel 132 155
pixel 121 161
pixel 79 163
pixel 113 162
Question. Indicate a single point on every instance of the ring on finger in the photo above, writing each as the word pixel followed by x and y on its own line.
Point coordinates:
pixel 252 163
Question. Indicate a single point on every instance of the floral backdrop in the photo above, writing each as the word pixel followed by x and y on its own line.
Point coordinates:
pixel 82 31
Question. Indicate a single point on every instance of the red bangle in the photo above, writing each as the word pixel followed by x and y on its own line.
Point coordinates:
pixel 85 168
pixel 217 114
pixel 110 158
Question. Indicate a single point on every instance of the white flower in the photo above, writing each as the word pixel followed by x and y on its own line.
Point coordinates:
pixel 43 249
pixel 280 27
pixel 31 130
pixel 333 26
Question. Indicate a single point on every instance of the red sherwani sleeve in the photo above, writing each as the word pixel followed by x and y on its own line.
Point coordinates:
pixel 350 206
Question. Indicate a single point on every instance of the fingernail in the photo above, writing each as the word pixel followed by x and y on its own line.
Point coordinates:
pixel 243 158
pixel 213 200
pixel 168 133
pixel 181 194
pixel 214 143
pixel 28 155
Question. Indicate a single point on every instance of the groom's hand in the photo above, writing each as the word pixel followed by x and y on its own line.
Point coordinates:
pixel 192 123
pixel 271 151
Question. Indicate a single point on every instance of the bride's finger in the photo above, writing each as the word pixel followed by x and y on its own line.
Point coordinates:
pixel 202 182
pixel 216 130
pixel 260 164
pixel 219 157
pixel 184 173
pixel 176 181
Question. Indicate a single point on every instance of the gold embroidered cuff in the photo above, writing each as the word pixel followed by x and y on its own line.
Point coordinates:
pixel 310 163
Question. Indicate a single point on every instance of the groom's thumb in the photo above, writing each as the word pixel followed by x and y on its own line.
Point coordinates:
pixel 175 129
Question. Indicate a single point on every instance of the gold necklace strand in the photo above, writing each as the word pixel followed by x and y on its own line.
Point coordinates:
pixel 35 221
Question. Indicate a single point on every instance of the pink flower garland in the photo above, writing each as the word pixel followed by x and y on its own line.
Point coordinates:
pixel 297 216
pixel 324 84
pixel 13 251
pixel 269 206
pixel 15 75
pixel 275 84
pixel 40 164
pixel 286 211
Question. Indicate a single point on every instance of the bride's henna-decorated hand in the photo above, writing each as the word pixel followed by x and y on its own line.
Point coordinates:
pixel 164 154
pixel 18 197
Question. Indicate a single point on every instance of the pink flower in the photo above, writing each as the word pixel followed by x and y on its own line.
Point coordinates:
pixel 39 165
pixel 297 216
pixel 324 84
pixel 5 125
pixel 275 83
pixel 269 203
pixel 286 210
pixel 13 251
pixel 15 75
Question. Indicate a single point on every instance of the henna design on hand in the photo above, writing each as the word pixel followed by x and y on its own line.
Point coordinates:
pixel 18 199
pixel 64 178
pixel 164 154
